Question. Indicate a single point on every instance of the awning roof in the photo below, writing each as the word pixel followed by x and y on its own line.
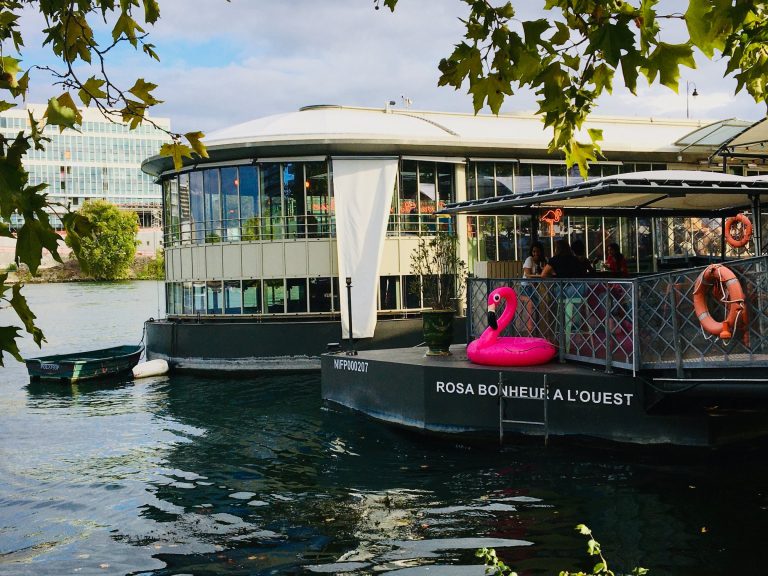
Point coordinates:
pixel 752 142
pixel 657 193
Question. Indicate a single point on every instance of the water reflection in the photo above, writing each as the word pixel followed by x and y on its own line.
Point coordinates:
pixel 190 475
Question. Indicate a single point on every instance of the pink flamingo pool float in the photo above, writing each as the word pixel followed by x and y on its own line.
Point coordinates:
pixel 491 350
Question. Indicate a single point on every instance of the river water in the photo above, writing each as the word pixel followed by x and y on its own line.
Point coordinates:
pixel 189 475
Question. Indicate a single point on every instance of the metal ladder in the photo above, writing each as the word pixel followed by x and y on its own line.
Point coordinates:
pixel 502 404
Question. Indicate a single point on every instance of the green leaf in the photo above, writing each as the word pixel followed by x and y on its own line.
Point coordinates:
pixel 610 40
pixel 6 105
pixel 142 90
pixel 128 27
pixel 149 49
pixel 9 69
pixel 19 304
pixel 91 90
pixel 666 60
pixel 151 11
pixel 63 112
pixel 195 141
pixel 582 529
pixel 176 151
pixel 31 236
pixel 8 335
pixel 709 23
pixel 599 567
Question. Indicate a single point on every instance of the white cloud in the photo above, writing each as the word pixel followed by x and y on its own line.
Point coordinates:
pixel 224 63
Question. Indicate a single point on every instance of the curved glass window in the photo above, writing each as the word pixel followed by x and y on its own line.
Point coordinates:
pixel 318 200
pixel 212 191
pixel 230 204
pixel 271 202
pixel 249 202
pixel 197 207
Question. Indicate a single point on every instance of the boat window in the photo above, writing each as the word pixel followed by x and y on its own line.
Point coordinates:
pixel 336 293
pixel 318 201
pixel 231 204
pixel 540 174
pixel 487 238
pixel 271 203
pixel 185 228
pixel 296 294
pixel 505 178
pixel 251 296
pixel 558 175
pixel 249 202
pixel 214 297
pixel 523 179
pixel 187 298
pixel 446 188
pixel 211 188
pixel 233 297
pixel 274 296
pixel 412 291
pixel 389 293
pixel 320 294
pixel 409 202
pixel 293 200
pixel 198 297
pixel 486 180
pixel 471 181
pixel 197 207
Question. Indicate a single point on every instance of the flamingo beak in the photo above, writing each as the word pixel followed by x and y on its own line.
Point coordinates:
pixel 492 317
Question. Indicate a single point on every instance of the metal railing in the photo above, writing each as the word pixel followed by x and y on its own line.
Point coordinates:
pixel 634 324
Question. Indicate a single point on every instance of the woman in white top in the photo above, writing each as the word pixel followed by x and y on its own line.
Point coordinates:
pixel 535 262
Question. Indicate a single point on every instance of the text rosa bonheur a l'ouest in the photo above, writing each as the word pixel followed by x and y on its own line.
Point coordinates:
pixel 535 393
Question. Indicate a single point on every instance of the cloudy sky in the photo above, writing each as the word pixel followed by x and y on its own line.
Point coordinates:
pixel 224 63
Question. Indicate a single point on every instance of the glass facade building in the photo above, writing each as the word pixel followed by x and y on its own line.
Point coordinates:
pixel 101 161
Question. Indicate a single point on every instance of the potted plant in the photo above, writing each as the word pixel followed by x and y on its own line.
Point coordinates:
pixel 442 276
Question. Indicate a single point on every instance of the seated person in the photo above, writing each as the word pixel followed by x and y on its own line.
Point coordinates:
pixel 615 262
pixel 580 251
pixel 534 264
pixel 564 264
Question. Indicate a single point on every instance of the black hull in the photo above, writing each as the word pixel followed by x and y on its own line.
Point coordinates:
pixel 244 347
pixel 454 397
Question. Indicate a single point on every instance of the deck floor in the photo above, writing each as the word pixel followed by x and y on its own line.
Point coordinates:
pixel 458 359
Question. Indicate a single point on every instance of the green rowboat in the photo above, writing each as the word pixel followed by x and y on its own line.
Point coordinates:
pixel 84 365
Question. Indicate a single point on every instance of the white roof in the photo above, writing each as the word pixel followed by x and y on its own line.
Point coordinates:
pixel 524 131
pixel 329 130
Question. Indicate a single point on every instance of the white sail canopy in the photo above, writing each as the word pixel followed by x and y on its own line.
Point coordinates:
pixel 363 190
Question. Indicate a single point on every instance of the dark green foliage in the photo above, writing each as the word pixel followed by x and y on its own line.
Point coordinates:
pixel 108 253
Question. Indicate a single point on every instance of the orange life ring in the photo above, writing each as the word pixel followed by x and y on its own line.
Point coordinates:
pixel 745 235
pixel 724 280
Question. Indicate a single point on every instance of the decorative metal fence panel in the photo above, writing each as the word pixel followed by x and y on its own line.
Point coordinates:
pixel 669 329
pixel 589 320
pixel 642 323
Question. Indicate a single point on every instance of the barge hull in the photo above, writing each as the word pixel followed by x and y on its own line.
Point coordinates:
pixel 454 397
pixel 244 347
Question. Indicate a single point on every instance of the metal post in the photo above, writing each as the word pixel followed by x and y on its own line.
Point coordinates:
pixel 757 221
pixel 351 351
pixel 607 327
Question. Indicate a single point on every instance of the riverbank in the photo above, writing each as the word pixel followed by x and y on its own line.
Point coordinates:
pixel 143 268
